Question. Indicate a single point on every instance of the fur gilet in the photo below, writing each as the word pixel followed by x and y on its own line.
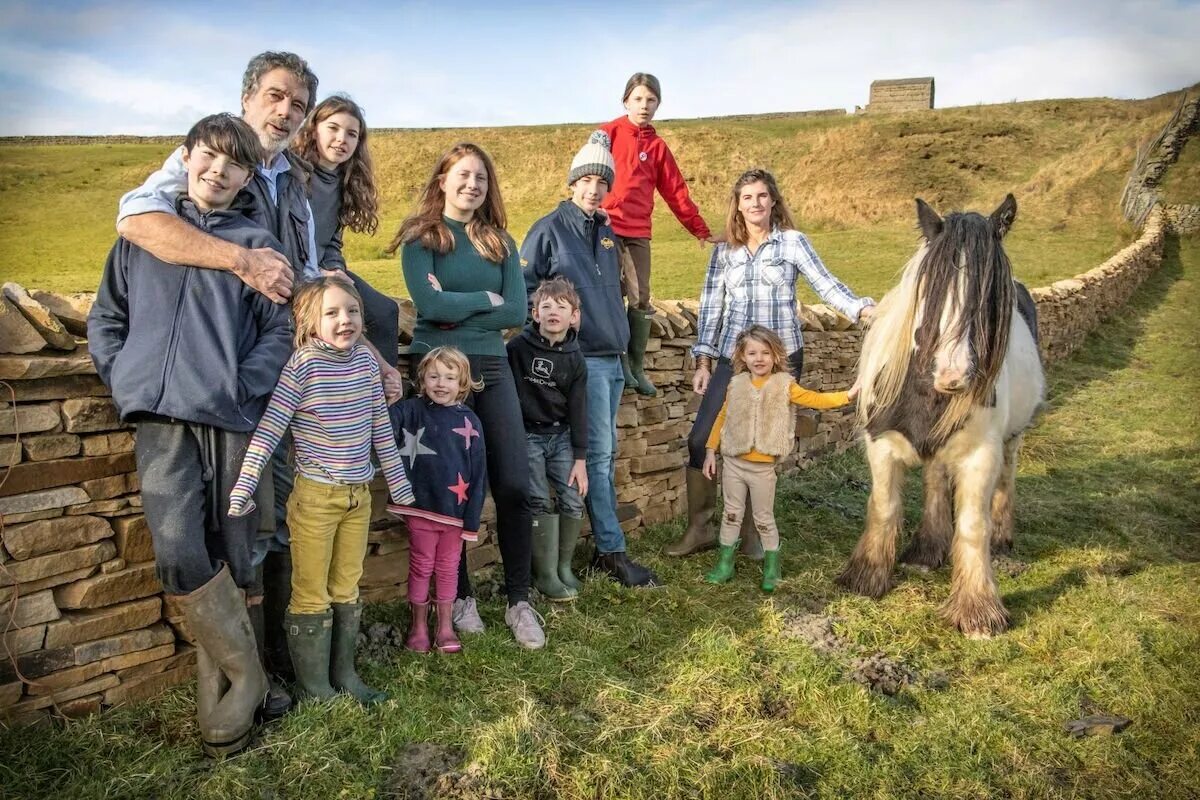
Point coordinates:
pixel 759 419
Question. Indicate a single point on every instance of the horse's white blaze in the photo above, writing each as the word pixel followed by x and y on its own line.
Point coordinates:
pixel 952 362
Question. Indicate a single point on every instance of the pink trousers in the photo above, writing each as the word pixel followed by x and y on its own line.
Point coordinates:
pixel 434 548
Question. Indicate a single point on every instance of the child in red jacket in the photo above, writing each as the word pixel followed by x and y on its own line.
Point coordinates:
pixel 643 163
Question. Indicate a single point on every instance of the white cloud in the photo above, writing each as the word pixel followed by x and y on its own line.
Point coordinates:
pixel 121 69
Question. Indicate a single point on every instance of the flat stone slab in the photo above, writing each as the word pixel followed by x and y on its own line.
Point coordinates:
pixel 28 367
pixel 71 310
pixel 40 317
pixel 17 334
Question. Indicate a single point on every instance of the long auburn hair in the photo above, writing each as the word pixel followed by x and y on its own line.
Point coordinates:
pixel 963 262
pixel 763 335
pixel 735 226
pixel 360 197
pixel 487 228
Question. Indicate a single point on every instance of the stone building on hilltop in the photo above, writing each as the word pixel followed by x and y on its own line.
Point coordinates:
pixel 901 94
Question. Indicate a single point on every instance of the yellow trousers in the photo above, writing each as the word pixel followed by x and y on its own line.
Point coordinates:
pixel 328 523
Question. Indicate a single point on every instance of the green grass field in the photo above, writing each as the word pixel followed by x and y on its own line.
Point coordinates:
pixel 694 691
pixel 849 180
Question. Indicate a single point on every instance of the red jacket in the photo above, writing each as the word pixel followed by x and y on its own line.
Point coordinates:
pixel 644 163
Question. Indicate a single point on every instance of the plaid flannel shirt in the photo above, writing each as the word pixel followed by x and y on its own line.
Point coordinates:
pixel 741 290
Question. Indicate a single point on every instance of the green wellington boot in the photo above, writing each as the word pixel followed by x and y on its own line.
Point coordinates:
pixel 309 640
pixel 545 560
pixel 723 571
pixel 701 503
pixel 639 334
pixel 770 570
pixel 346 619
pixel 232 683
pixel 568 538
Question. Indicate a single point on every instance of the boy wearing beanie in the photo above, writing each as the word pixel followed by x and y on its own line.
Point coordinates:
pixel 572 242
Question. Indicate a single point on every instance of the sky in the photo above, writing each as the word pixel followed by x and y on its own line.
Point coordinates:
pixel 156 67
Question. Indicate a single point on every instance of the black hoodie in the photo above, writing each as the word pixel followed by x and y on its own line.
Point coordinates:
pixel 551 385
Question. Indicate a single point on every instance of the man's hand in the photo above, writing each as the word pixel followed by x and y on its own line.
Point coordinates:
pixel 700 380
pixel 866 314
pixel 578 477
pixel 710 465
pixel 337 275
pixel 267 272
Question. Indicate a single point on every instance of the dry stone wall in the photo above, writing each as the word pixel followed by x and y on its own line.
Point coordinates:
pixel 83 620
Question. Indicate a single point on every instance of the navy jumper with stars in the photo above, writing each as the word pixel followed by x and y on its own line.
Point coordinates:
pixel 444 453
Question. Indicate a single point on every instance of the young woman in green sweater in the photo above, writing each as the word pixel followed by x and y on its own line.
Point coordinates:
pixel 464 276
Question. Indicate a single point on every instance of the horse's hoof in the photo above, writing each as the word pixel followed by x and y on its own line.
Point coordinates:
pixel 867 582
pixel 977 616
pixel 1002 548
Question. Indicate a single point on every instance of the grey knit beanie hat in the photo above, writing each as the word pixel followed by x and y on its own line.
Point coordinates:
pixel 593 158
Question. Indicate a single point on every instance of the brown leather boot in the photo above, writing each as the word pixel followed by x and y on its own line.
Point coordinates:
pixel 702 501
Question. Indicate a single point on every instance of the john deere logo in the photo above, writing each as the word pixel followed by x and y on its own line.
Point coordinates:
pixel 607 243
pixel 543 367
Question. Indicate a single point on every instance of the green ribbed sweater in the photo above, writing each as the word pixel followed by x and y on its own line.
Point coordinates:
pixel 466 317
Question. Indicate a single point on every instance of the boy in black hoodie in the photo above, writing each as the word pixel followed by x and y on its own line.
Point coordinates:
pixel 191 356
pixel 551 378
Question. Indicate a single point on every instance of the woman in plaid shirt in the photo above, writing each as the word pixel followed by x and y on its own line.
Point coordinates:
pixel 751 280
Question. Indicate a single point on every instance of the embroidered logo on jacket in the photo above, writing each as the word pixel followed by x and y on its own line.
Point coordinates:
pixel 543 367
pixel 607 243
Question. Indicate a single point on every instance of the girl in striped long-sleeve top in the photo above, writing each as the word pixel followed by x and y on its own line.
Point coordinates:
pixel 331 397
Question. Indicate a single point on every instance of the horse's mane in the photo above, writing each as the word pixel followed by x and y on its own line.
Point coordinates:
pixel 967 242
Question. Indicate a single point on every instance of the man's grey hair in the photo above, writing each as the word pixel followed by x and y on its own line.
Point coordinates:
pixel 263 63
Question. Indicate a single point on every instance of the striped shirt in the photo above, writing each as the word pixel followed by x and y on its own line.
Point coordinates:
pixel 741 290
pixel 333 401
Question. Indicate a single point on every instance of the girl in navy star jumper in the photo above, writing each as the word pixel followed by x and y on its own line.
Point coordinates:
pixel 331 397
pixel 441 441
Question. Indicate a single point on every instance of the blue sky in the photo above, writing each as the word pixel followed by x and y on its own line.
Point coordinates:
pixel 156 67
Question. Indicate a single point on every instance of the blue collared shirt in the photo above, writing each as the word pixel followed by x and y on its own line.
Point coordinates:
pixel 164 186
pixel 743 289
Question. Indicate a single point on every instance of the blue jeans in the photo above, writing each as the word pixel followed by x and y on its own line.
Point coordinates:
pixel 550 460
pixel 605 383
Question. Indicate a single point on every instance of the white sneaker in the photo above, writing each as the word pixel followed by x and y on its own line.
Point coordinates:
pixel 466 616
pixel 526 625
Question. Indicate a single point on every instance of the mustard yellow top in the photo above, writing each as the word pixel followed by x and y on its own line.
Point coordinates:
pixel 797 394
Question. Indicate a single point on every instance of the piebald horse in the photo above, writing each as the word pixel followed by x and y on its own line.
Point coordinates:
pixel 950 378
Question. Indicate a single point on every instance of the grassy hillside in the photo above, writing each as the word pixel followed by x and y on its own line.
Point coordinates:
pixel 698 691
pixel 850 182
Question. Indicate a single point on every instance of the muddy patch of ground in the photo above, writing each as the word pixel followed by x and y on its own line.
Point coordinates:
pixel 425 770
pixel 880 674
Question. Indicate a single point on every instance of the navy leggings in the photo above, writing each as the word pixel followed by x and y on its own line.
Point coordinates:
pixel 714 398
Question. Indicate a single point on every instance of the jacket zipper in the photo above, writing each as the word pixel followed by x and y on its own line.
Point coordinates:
pixel 169 361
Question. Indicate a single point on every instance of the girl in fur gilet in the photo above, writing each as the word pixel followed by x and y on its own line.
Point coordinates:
pixel 755 427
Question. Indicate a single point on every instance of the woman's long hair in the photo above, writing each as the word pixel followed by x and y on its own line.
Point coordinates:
pixel 360 197
pixel 486 230
pixel 735 226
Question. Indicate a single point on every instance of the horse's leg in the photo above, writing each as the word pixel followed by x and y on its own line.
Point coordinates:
pixel 974 605
pixel 1002 500
pixel 869 570
pixel 929 547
